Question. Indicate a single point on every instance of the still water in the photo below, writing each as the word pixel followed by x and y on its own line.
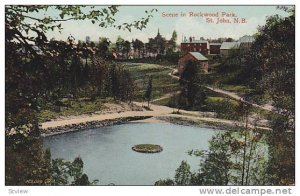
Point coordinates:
pixel 108 157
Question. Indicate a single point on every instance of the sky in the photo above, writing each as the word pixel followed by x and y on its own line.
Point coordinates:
pixel 184 26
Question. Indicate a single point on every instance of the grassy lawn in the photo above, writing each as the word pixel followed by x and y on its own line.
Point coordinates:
pixel 164 102
pixel 161 83
pixel 147 146
pixel 212 100
pixel 264 113
pixel 224 107
pixel 239 89
pixel 73 107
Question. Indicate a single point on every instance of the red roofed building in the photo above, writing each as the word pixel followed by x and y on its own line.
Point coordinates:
pixel 196 57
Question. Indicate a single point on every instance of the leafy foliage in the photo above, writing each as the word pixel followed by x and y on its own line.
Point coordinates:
pixel 222 164
pixel 165 182
pixel 20 23
pixel 69 173
pixel 27 164
pixel 148 92
pixel 191 86
pixel 41 72
pixel 274 53
pixel 224 107
pixel 138 45
pixel 31 165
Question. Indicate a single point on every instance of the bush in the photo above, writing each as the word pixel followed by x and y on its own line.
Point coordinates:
pixel 225 108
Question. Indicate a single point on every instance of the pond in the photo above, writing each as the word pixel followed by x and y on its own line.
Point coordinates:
pixel 108 157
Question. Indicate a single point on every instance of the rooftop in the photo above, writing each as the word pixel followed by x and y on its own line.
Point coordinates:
pixel 247 38
pixel 230 45
pixel 198 56
pixel 195 41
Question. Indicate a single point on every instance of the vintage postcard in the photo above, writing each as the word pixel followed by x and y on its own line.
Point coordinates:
pixel 200 95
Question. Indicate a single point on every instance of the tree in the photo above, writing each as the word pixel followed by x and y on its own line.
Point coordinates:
pixel 126 48
pixel 103 46
pixel 69 173
pixel 120 44
pixel 273 54
pixel 190 83
pixel 97 76
pixel 39 72
pixel 222 163
pixel 244 112
pixel 20 24
pixel 138 45
pixel 183 174
pixel 148 92
pixel 172 42
pixel 229 39
pixel 26 35
pixel 75 73
pixel 166 182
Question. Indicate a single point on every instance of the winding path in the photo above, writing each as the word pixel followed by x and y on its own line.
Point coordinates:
pixel 157 112
pixel 168 95
pixel 232 95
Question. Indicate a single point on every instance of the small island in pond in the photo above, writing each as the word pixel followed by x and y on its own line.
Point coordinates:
pixel 147 148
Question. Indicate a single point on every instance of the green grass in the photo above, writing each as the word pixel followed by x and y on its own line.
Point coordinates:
pixel 147 146
pixel 239 89
pixel 161 82
pixel 212 100
pixel 264 113
pixel 164 102
pixel 224 107
pixel 141 66
pixel 73 107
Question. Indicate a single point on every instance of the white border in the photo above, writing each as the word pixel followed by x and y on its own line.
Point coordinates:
pixel 130 190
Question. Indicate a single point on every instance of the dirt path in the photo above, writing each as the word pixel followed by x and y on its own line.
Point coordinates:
pixel 168 95
pixel 157 111
pixel 232 95
pixel 236 97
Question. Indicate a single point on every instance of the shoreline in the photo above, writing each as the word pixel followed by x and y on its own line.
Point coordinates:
pixel 171 118
pixel 51 131
pixel 158 114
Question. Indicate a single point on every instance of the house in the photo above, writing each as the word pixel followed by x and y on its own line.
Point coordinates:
pixel 193 45
pixel 197 57
pixel 246 43
pixel 247 39
pixel 241 46
pixel 229 47
pixel 215 48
